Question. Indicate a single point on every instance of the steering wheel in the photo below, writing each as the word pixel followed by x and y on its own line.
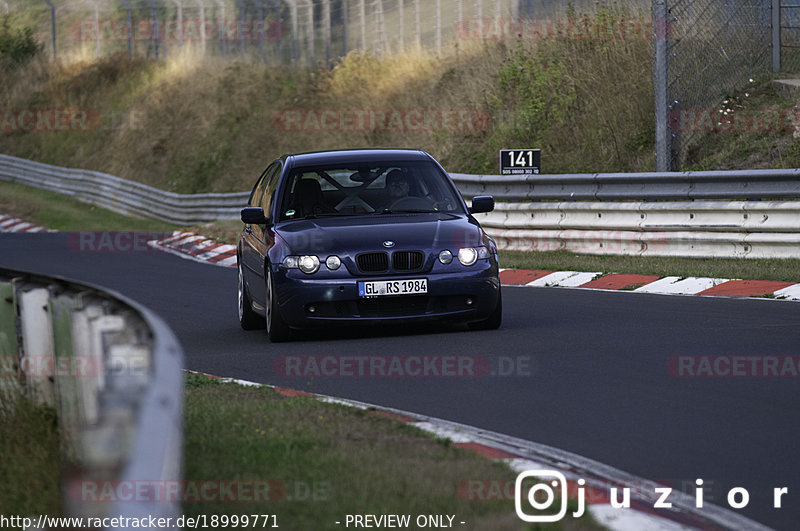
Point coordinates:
pixel 412 202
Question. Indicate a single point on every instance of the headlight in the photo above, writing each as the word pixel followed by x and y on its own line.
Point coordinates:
pixel 291 262
pixel 469 255
pixel 333 262
pixel 308 264
pixel 445 257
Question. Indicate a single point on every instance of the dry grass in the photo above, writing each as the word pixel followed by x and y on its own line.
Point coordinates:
pixel 190 124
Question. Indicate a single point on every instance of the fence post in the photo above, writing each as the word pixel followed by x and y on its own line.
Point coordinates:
pixel 776 35
pixel 221 25
pixel 417 30
pixel 439 27
pixel 240 25
pixel 129 23
pixel 53 25
pixel 202 5
pixel 362 11
pixel 279 24
pixel 401 24
pixel 312 58
pixel 660 85
pixel 179 5
pixel 345 32
pixel 326 28
pixel 93 3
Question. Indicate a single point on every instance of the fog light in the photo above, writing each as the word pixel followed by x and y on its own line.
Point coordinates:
pixel 469 301
pixel 333 262
pixel 311 309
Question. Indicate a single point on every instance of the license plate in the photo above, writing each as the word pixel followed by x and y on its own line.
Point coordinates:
pixel 380 288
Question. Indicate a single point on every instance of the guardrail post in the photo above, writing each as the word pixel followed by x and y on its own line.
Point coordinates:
pixel 37 344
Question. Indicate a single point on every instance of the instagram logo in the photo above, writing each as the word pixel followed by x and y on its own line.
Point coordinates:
pixel 534 487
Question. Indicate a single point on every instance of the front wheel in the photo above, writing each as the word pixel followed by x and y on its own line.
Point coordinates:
pixel 277 330
pixel 494 320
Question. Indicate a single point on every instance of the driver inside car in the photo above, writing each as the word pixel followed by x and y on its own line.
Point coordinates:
pixel 397 187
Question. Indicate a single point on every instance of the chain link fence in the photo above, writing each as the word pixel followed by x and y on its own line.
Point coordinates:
pixel 703 51
pixel 289 32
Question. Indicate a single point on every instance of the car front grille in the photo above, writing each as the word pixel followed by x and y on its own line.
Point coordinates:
pixel 373 262
pixel 407 260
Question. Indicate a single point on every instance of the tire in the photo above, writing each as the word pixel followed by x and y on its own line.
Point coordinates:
pixel 277 330
pixel 249 319
pixel 494 320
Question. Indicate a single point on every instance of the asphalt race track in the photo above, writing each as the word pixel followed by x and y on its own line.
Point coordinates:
pixel 594 378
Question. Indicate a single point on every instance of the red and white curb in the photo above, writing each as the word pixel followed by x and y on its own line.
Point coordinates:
pixel 9 224
pixel 596 479
pixel 199 248
pixel 720 287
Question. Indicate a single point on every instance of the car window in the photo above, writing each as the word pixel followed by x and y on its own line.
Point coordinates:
pixel 264 191
pixel 360 188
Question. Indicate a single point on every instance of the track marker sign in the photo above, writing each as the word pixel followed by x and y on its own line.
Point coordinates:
pixel 520 161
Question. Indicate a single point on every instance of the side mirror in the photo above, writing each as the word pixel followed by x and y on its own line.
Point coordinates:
pixel 482 203
pixel 254 216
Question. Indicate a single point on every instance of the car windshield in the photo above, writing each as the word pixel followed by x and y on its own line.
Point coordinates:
pixel 367 188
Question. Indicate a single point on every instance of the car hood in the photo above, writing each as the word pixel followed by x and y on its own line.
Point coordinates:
pixel 354 234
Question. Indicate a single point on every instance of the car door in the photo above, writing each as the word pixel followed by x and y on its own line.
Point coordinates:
pixel 257 239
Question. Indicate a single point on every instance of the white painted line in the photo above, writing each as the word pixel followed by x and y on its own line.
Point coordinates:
pixel 792 292
pixel 443 432
pixel 566 279
pixel 678 286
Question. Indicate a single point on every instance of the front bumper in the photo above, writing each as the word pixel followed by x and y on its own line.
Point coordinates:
pixel 459 294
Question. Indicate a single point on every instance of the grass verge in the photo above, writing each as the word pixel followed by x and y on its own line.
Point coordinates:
pixel 332 461
pixel 64 213
pixel 30 480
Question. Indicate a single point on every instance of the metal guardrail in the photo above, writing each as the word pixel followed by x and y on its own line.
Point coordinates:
pixel 121 195
pixel 734 229
pixel 700 214
pixel 114 372
pixel 719 185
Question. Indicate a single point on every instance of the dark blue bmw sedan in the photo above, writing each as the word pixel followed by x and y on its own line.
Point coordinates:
pixel 363 236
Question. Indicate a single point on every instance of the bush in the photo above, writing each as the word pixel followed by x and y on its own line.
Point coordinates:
pixel 17 47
